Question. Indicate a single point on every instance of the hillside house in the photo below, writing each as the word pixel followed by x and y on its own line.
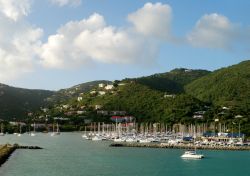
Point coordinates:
pixel 80 112
pixel 101 85
pixel 115 113
pixel 103 112
pixel 98 107
pixel 199 115
pixel 101 93
pixel 109 87
pixel 79 98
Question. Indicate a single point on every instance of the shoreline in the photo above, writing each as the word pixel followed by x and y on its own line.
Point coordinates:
pixel 181 146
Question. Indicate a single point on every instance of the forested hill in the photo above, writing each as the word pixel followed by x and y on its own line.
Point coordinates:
pixel 224 87
pixel 171 82
pixel 17 102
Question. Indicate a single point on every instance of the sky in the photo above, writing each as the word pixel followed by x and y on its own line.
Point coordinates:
pixel 55 44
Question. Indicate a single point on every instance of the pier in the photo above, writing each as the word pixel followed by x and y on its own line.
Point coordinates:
pixel 180 146
pixel 7 149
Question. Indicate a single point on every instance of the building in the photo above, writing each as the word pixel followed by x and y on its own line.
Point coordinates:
pixel 109 87
pixel 169 96
pixel 93 92
pixel 80 112
pixel 120 119
pixel 115 113
pixel 101 92
pixel 103 112
pixel 79 98
pixel 199 115
pixel 101 85
pixel 65 106
pixel 98 107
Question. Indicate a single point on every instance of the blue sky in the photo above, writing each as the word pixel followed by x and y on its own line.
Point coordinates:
pixel 54 44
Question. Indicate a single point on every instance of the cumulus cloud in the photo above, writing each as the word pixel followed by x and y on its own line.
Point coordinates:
pixel 214 31
pixel 79 43
pixel 153 20
pixel 19 44
pixel 91 40
pixel 15 9
pixel 66 2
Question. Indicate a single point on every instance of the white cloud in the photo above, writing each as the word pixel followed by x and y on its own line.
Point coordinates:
pixel 153 20
pixel 18 50
pixel 66 2
pixel 214 31
pixel 80 43
pixel 15 9
pixel 91 40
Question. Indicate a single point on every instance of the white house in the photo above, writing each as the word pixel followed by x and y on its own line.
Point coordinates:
pixel 79 98
pixel 65 106
pixel 101 85
pixel 109 87
pixel 98 107
pixel 80 112
pixel 93 92
pixel 102 92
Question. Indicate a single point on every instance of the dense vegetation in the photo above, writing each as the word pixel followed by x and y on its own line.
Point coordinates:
pixel 171 82
pixel 17 102
pixel 225 87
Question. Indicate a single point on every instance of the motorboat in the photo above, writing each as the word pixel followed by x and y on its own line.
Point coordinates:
pixel 191 154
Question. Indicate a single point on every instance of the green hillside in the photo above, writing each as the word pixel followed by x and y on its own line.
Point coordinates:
pixel 171 82
pixel 17 102
pixel 139 101
pixel 225 87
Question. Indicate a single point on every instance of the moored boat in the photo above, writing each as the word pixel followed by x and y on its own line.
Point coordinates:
pixel 192 155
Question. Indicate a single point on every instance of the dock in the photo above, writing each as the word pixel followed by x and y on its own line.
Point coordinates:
pixel 7 149
pixel 181 146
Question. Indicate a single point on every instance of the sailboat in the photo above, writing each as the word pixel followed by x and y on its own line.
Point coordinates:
pixel 20 131
pixel 57 130
pixel 34 132
pixel 2 133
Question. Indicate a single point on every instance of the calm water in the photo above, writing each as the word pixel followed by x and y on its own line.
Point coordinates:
pixel 69 155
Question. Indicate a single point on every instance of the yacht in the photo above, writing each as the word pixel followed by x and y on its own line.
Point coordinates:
pixel 192 155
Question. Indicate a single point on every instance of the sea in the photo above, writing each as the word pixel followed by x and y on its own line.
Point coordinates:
pixel 70 155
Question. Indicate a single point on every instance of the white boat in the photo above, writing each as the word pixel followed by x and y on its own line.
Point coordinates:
pixel 192 155
pixel 57 132
pixel 2 133
pixel 146 140
pixel 34 132
pixel 97 138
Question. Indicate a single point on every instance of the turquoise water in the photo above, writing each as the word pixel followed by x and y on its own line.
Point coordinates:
pixel 70 155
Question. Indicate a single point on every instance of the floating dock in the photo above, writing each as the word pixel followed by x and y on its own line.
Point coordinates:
pixel 180 146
